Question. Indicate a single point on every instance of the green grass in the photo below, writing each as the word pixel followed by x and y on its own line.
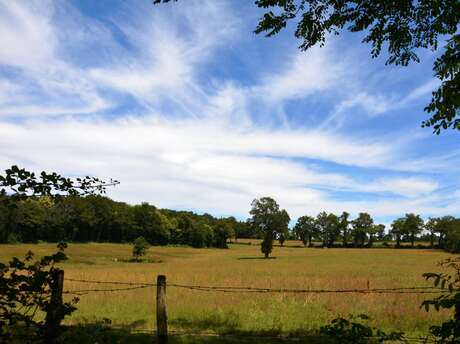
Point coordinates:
pixel 243 313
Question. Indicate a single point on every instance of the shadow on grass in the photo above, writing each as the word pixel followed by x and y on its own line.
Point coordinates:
pixel 263 258
pixel 145 260
pixel 194 332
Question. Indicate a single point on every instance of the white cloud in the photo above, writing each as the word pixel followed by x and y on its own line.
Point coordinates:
pixel 45 83
pixel 206 151
pixel 207 165
pixel 422 90
pixel 408 186
pixel 302 75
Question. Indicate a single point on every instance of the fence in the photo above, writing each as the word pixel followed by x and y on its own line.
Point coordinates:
pixel 161 316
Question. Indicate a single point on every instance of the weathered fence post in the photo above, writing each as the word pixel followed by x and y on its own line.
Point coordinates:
pixel 162 320
pixel 53 314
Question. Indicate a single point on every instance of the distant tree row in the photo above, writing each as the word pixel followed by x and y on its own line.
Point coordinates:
pixel 442 232
pixel 100 219
pixel 271 222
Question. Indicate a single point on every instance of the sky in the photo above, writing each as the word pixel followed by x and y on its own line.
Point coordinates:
pixel 190 110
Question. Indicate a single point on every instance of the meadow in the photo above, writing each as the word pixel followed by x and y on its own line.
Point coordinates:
pixel 292 266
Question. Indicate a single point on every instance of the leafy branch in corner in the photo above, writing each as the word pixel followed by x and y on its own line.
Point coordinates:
pixel 20 184
pixel 25 294
pixel 448 331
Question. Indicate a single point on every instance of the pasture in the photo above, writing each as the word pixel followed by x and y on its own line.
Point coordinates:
pixel 242 265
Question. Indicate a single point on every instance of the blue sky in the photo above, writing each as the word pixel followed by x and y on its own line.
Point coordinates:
pixel 190 110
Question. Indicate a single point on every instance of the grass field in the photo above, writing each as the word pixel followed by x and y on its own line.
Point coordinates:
pixel 241 265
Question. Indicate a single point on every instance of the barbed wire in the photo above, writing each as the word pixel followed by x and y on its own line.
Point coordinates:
pixel 243 289
pixel 111 282
pixel 87 291
pixel 306 291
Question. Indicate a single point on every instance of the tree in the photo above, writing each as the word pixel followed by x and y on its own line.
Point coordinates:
pixel 306 229
pixel 223 231
pixel 344 224
pixel 140 248
pixel 281 238
pixel 380 231
pixel 452 238
pixel 328 226
pixel 442 228
pixel 201 235
pixel 403 27
pixel 268 219
pixel 413 225
pixel 362 225
pixel 431 226
pixel 397 229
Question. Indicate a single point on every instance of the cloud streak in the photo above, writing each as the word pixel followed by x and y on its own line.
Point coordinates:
pixel 154 100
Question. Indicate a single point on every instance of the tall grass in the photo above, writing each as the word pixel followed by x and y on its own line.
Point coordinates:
pixel 294 267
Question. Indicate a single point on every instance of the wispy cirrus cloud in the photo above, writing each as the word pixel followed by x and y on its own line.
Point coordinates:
pixel 151 96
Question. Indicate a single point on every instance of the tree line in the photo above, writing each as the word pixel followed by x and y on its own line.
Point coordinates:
pixel 330 229
pixel 98 218
pixel 340 230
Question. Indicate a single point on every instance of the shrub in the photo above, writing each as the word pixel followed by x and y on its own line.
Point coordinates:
pixel 25 290
pixel 448 331
pixel 140 247
pixel 346 331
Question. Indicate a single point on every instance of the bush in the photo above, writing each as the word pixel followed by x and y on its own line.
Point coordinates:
pixel 140 248
pixel 25 289
pixel 449 330
pixel 346 331
pixel 202 236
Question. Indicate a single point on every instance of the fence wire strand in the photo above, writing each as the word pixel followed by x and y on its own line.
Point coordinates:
pixel 242 289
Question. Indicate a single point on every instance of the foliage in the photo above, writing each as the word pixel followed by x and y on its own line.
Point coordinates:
pixel 98 218
pixel 445 103
pixel 403 27
pixel 268 219
pixel 352 331
pixel 362 225
pixel 222 232
pixel 22 184
pixel 448 331
pixel 413 225
pixel 343 226
pixel 397 229
pixel 25 288
pixel 140 248
pixel 306 229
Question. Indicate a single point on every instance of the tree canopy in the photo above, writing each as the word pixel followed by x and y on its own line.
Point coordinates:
pixel 268 219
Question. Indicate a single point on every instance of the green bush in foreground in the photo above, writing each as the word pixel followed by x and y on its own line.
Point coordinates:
pixel 346 331
pixel 25 289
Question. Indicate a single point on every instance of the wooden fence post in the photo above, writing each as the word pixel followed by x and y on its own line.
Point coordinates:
pixel 162 320
pixel 53 316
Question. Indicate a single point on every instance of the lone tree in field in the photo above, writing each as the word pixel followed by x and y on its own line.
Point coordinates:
pixel 269 220
pixel 402 27
pixel 140 248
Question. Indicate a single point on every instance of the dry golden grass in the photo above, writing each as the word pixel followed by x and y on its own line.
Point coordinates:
pixel 241 266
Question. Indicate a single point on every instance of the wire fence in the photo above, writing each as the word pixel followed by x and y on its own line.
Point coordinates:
pixel 119 286
pixel 246 289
